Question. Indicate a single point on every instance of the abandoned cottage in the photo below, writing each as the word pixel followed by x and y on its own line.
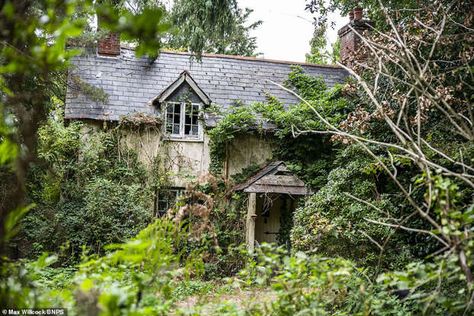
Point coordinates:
pixel 176 89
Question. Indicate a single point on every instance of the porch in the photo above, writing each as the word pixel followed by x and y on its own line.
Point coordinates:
pixel 272 198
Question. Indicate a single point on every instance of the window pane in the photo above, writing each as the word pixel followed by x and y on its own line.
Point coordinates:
pixel 166 199
pixel 175 116
pixel 169 122
pixel 176 129
pixel 191 121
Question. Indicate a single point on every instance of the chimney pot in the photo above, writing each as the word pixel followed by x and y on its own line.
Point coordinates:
pixel 351 15
pixel 357 14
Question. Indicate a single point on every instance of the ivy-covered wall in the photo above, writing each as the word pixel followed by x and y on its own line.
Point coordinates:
pixel 184 161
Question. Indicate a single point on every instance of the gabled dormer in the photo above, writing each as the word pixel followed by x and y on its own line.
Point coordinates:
pixel 181 104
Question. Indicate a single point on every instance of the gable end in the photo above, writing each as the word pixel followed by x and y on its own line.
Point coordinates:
pixel 184 78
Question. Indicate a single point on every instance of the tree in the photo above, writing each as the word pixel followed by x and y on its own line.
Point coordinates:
pixel 373 8
pixel 32 55
pixel 218 26
pixel 414 118
pixel 318 53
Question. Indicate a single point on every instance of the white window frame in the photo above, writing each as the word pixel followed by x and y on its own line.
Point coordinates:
pixel 182 120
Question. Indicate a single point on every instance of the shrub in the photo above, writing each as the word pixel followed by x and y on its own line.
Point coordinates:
pixel 88 189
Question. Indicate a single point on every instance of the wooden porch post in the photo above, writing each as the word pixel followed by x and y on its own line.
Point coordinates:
pixel 251 215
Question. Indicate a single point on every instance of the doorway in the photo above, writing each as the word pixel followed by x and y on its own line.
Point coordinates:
pixel 274 218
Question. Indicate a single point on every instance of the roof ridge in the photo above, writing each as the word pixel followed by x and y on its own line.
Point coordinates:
pixel 244 58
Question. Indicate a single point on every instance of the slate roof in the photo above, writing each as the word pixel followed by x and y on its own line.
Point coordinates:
pixel 132 83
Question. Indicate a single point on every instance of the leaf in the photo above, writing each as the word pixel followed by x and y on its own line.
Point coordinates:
pixel 12 220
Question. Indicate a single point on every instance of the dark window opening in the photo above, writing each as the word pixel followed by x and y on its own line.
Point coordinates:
pixel 166 199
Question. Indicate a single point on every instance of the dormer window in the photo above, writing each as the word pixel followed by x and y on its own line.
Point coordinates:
pixel 182 120
pixel 180 104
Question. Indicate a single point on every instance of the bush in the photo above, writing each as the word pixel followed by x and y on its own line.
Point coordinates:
pixel 315 285
pixel 88 190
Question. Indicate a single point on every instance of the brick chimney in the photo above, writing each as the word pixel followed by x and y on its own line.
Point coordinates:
pixel 109 45
pixel 350 40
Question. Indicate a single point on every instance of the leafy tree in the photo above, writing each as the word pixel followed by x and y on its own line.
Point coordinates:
pixel 336 51
pixel 217 26
pixel 318 53
pixel 373 8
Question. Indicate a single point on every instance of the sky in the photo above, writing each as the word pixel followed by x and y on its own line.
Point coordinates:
pixel 287 28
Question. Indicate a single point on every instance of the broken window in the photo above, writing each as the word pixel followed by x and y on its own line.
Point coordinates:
pixel 182 120
pixel 166 199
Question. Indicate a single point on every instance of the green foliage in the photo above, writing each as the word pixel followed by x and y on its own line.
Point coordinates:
pixel 333 223
pixel 137 277
pixel 308 156
pixel 318 53
pixel 373 9
pixel 117 211
pixel 237 120
pixel 18 287
pixel 145 27
pixel 336 51
pixel 217 26
pixel 188 288
pixel 422 281
pixel 88 189
pixel 315 285
pixel 126 279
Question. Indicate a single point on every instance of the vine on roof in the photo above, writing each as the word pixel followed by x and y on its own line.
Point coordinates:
pixel 94 93
pixel 140 119
pixel 298 150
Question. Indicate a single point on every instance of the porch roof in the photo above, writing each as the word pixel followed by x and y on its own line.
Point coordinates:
pixel 274 178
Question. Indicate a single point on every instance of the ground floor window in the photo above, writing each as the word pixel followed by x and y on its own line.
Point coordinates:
pixel 166 199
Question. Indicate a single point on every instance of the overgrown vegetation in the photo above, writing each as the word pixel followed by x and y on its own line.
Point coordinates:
pixel 389 157
pixel 310 157
pixel 88 191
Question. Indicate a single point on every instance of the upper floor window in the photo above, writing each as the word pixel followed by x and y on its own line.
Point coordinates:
pixel 182 120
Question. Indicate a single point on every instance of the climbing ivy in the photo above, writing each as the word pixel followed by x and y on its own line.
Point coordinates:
pixel 237 120
pixel 307 155
pixel 89 189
